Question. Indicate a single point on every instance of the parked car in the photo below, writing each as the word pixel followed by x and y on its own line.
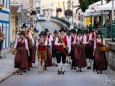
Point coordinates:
pixel 41 17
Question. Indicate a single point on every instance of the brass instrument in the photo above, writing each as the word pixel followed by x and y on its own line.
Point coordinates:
pixel 32 31
pixel 61 41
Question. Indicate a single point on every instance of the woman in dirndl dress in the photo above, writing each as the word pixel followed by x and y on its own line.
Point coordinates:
pixel 100 57
pixel 79 52
pixel 21 57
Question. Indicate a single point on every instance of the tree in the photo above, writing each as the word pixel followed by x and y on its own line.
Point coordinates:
pixel 85 3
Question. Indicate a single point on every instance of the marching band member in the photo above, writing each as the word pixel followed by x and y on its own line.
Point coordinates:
pixel 21 57
pixel 41 45
pixel 31 46
pixel 79 52
pixel 70 40
pixel 73 65
pixel 49 38
pixel 87 48
pixel 61 43
pixel 54 48
pixel 92 36
pixel 100 57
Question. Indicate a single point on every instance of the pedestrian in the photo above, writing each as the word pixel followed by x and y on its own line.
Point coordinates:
pixel 21 57
pixel 41 45
pixel 79 52
pixel 1 41
pixel 61 43
pixel 100 57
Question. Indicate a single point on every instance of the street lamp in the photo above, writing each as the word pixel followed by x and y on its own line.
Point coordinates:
pixel 72 11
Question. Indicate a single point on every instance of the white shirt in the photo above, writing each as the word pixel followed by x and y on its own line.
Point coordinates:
pixel 69 43
pixel 30 35
pixel 90 36
pixel 99 40
pixel 85 39
pixel 50 39
pixel 16 43
pixel 45 44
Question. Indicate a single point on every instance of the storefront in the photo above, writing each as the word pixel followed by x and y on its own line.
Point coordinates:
pixel 5 21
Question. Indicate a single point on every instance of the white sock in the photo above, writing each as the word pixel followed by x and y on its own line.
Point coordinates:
pixel 39 65
pixel 63 67
pixel 59 66
pixel 88 62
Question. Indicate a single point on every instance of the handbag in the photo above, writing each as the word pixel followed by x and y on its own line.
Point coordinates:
pixel 13 50
pixel 104 49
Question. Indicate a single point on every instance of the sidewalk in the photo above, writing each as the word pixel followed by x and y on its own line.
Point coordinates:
pixel 6 65
pixel 110 76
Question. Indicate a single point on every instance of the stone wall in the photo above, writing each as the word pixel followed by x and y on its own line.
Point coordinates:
pixel 111 55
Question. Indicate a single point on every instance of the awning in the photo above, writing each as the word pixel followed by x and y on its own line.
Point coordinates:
pixel 105 7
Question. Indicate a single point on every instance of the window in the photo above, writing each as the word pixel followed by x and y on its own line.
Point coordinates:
pixel 0 1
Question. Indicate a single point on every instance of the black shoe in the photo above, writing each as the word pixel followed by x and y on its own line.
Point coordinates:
pixel 59 72
pixel 89 67
pixel 63 72
pixel 100 71
pixel 28 69
pixel 71 68
pixel 74 68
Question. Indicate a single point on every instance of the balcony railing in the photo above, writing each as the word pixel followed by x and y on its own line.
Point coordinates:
pixel 62 20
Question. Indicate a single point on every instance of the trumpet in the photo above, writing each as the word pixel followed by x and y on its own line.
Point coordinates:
pixel 61 41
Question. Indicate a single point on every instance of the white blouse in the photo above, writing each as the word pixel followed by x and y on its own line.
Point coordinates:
pixel 26 44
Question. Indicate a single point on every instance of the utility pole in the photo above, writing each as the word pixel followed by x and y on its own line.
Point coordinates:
pixel 101 16
pixel 72 12
pixel 113 39
pixel 21 13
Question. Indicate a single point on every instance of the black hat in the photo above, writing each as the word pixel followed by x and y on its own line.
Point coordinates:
pixel 68 33
pixel 99 32
pixel 55 32
pixel 74 31
pixel 46 30
pixel 90 30
pixel 79 31
pixel 71 30
pixel 62 29
pixel 85 31
pixel 22 33
pixel 42 33
pixel 24 26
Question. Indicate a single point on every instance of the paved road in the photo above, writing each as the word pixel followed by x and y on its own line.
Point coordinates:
pixel 51 78
pixel 51 26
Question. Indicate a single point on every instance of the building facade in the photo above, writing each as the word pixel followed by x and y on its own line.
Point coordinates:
pixel 5 21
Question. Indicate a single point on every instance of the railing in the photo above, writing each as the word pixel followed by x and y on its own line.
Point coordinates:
pixel 62 21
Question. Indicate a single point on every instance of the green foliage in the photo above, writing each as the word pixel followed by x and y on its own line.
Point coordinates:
pixel 85 3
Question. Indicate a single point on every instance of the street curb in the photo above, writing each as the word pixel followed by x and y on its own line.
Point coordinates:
pixel 8 76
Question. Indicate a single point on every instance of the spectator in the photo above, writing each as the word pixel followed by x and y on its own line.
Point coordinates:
pixel 1 41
